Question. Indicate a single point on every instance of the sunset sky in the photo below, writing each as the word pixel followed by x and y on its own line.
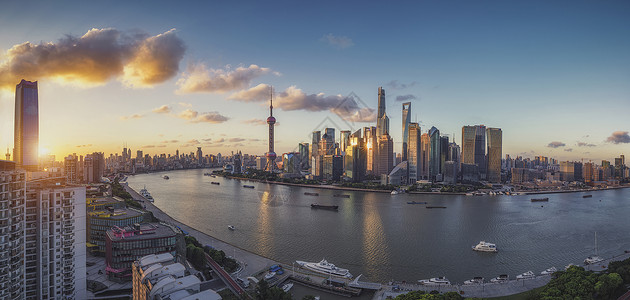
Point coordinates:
pixel 165 75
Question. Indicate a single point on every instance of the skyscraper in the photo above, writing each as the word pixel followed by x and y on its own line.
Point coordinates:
pixel 199 156
pixel 474 147
pixel 271 155
pixel 382 121
pixel 434 154
pixel 426 150
pixel 355 160
pixel 371 147
pixel 495 147
pixel 344 139
pixel 480 151
pixel 406 119
pixel 26 136
pixel 414 150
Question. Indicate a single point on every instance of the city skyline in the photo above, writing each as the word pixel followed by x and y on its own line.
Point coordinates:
pixel 556 87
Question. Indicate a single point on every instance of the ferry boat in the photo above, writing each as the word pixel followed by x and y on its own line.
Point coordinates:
pixel 526 275
pixel 415 202
pixel 311 194
pixel 231 227
pixel 587 196
pixel 248 186
pixel 435 281
pixel 483 246
pixel 329 207
pixel 144 193
pixel 540 199
pixel 165 177
pixel 325 267
pixel 341 196
pixel 214 182
pixel 549 271
pixel 287 287
pixel 500 279
pixel 476 280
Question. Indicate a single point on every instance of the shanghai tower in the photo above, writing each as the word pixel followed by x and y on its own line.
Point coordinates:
pixel 26 137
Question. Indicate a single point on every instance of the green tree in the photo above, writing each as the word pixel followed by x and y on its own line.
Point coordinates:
pixel 608 286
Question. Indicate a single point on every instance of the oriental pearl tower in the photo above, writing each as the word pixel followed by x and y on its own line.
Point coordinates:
pixel 271 155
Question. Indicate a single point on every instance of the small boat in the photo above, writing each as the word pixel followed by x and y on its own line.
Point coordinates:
pixel 435 206
pixel 287 287
pixel 248 186
pixel 549 271
pixel 214 182
pixel 476 280
pixel 329 207
pixel 341 196
pixel 469 194
pixel 593 259
pixel 483 246
pixel 587 196
pixel 270 275
pixel 416 202
pixel 500 279
pixel 526 275
pixel 165 177
pixel 540 199
pixel 311 194
pixel 231 227
pixel 396 192
pixel 317 298
pixel 435 281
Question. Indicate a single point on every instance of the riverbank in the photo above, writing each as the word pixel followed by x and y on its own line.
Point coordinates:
pixel 572 191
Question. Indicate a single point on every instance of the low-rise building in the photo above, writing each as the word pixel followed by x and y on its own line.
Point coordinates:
pixel 98 222
pixel 124 245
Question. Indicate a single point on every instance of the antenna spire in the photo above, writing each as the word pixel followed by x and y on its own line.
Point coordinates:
pixel 271 101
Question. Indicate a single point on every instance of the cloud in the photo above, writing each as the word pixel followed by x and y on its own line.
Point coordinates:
pixel 294 98
pixel 619 137
pixel 394 84
pixel 198 78
pixel 406 97
pixel 339 42
pixel 164 109
pixel 95 58
pixel 170 142
pixel 148 146
pixel 258 93
pixel 584 144
pixel 556 144
pixel 184 104
pixel 236 140
pixel 83 146
pixel 568 149
pixel 205 117
pixel 134 116
pixel 255 122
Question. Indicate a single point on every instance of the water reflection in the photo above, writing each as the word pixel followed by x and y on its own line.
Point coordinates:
pixel 375 248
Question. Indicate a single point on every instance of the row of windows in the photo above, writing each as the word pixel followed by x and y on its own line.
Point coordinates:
pixel 152 243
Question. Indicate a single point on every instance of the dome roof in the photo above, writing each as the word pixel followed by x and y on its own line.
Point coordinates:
pixel 271 120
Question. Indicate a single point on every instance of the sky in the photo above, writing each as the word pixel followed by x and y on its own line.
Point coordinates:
pixel 163 75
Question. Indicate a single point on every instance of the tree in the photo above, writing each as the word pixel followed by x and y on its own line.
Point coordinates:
pixel 608 286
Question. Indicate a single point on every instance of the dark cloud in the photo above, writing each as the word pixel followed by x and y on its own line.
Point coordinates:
pixel 394 84
pixel 556 144
pixel 198 78
pixel 619 137
pixel 96 57
pixel 584 144
pixel 406 97
pixel 339 42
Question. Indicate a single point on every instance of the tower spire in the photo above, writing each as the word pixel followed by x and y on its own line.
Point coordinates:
pixel 271 155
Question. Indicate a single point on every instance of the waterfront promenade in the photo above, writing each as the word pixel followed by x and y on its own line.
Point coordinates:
pixel 251 263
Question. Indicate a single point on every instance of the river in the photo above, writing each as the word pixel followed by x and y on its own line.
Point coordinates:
pixel 382 237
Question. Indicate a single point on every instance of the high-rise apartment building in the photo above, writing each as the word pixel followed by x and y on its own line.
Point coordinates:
pixel 12 230
pixel 414 152
pixel 26 130
pixel 55 251
pixel 406 120
pixel 495 148
pixel 71 169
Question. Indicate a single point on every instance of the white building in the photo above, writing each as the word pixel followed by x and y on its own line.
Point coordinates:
pixel 55 241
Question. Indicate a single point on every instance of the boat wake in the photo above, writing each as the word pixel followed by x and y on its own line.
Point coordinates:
pixel 526 223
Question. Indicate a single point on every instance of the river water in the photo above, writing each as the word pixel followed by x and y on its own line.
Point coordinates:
pixel 382 237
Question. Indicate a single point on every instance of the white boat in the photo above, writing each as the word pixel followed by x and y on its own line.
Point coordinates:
pixel 144 193
pixel 435 281
pixel 526 275
pixel 593 259
pixel 231 227
pixel 395 192
pixel 476 280
pixel 287 287
pixel 485 247
pixel 316 297
pixel 325 267
pixel 549 271
pixel 500 279
pixel 270 275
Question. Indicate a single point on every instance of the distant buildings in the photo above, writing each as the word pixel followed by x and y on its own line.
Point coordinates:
pixel 26 136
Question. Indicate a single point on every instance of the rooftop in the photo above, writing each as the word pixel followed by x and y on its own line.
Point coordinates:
pixel 116 214
pixel 191 295
pixel 151 259
pixel 141 231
